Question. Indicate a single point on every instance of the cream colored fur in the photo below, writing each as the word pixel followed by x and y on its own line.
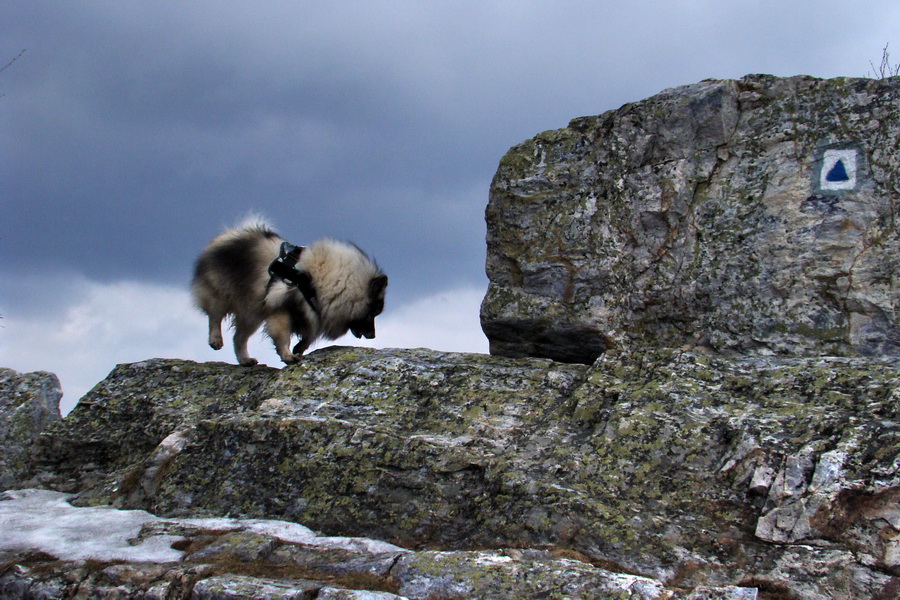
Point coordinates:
pixel 341 274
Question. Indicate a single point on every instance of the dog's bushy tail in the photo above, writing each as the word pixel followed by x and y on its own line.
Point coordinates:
pixel 255 222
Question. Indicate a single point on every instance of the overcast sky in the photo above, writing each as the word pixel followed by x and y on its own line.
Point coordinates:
pixel 132 132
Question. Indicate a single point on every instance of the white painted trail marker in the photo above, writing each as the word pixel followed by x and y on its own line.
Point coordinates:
pixel 839 169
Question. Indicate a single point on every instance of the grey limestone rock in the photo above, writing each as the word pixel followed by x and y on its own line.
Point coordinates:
pixel 752 216
pixel 690 471
pixel 516 574
pixel 29 402
pixel 241 587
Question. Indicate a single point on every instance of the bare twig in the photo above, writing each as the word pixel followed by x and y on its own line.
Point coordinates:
pixel 15 58
pixel 7 65
pixel 885 69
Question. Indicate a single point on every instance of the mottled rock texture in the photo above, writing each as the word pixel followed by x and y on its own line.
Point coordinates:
pixel 753 216
pixel 775 474
pixel 29 402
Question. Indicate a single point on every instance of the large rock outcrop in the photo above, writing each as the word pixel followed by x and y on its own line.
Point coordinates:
pixel 29 402
pixel 779 475
pixel 753 216
pixel 723 259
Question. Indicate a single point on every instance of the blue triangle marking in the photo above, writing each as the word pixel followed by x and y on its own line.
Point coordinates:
pixel 837 173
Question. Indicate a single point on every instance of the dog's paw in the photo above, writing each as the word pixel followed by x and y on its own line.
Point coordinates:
pixel 215 341
pixel 291 359
pixel 249 362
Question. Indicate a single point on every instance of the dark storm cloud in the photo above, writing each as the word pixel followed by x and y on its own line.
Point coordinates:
pixel 134 131
pixel 138 142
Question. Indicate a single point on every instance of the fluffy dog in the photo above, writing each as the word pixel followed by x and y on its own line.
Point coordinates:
pixel 344 290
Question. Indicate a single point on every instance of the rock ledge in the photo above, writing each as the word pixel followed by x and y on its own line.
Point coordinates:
pixel 685 470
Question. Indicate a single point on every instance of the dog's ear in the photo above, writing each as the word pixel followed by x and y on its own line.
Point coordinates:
pixel 378 284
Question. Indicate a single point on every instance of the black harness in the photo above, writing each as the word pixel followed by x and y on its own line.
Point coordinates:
pixel 283 268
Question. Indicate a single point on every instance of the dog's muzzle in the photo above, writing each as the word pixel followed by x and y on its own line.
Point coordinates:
pixel 364 329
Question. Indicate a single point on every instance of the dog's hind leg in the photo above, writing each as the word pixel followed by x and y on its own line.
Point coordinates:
pixel 244 327
pixel 215 331
pixel 278 326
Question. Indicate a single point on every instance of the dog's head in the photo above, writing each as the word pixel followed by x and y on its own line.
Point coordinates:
pixel 364 326
pixel 349 285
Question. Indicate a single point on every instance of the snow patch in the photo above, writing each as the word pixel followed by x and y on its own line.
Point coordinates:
pixel 45 521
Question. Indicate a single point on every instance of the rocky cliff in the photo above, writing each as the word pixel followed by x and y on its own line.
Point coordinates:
pixel 747 216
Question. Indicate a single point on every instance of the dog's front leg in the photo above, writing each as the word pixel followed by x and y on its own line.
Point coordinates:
pixel 301 346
